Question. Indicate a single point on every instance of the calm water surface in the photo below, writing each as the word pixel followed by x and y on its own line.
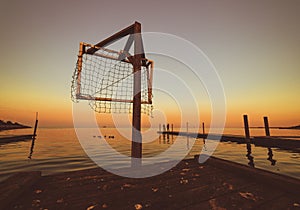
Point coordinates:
pixel 58 150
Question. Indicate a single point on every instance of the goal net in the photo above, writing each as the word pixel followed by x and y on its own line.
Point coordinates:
pixel 105 78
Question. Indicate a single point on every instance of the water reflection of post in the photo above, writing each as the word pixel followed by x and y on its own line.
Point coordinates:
pixel 172 136
pixel 33 136
pixel 187 142
pixel 164 133
pixel 270 152
pixel 187 136
pixel 159 137
pixel 168 133
pixel 203 132
pixel 168 138
pixel 249 156
pixel 270 157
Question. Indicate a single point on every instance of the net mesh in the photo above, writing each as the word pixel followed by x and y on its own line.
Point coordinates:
pixel 107 83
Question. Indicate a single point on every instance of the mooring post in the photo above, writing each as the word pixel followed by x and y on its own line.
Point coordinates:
pixel 33 136
pixel 203 128
pixel 36 124
pixel 266 122
pixel 187 128
pixel 246 127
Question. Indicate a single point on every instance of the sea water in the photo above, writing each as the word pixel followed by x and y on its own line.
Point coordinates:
pixel 59 150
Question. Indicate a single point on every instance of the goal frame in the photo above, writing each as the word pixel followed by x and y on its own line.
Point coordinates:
pixel 128 58
pixel 138 60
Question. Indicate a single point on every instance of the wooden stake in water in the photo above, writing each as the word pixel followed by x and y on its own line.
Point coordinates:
pixel 203 131
pixel 246 127
pixel 266 122
pixel 33 136
pixel 187 128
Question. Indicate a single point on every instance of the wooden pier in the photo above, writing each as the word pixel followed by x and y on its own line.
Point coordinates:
pixel 263 141
pixel 216 184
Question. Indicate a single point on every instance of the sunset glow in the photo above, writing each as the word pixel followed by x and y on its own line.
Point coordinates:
pixel 255 50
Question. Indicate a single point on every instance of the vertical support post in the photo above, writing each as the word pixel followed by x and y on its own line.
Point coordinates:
pixel 136 146
pixel 33 136
pixel 79 66
pixel 35 125
pixel 187 128
pixel 246 127
pixel 266 122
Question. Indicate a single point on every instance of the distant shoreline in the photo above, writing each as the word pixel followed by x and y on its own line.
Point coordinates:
pixel 11 126
pixel 291 127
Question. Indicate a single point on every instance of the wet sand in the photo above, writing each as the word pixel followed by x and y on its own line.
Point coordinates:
pixel 215 184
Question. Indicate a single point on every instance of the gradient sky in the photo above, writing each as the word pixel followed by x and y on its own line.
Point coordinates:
pixel 254 45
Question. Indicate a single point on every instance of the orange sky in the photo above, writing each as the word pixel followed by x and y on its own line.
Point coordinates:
pixel 255 47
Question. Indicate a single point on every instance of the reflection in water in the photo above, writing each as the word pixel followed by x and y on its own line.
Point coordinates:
pixel 187 142
pixel 32 147
pixel 249 156
pixel 270 157
pixel 172 136
pixel 204 145
pixel 55 157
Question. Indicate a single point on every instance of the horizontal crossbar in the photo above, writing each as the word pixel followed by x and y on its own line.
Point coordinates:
pixel 90 98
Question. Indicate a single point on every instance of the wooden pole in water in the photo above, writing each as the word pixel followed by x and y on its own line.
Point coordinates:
pixel 33 136
pixel 35 125
pixel 187 128
pixel 136 146
pixel 246 127
pixel 203 131
pixel 266 122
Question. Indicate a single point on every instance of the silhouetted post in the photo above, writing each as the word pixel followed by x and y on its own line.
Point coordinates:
pixel 159 127
pixel 35 125
pixel 246 127
pixel 172 128
pixel 33 136
pixel 267 126
pixel 136 145
pixel 187 128
pixel 203 131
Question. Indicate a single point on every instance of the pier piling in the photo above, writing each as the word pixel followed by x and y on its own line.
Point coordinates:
pixel 246 127
pixel 266 122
